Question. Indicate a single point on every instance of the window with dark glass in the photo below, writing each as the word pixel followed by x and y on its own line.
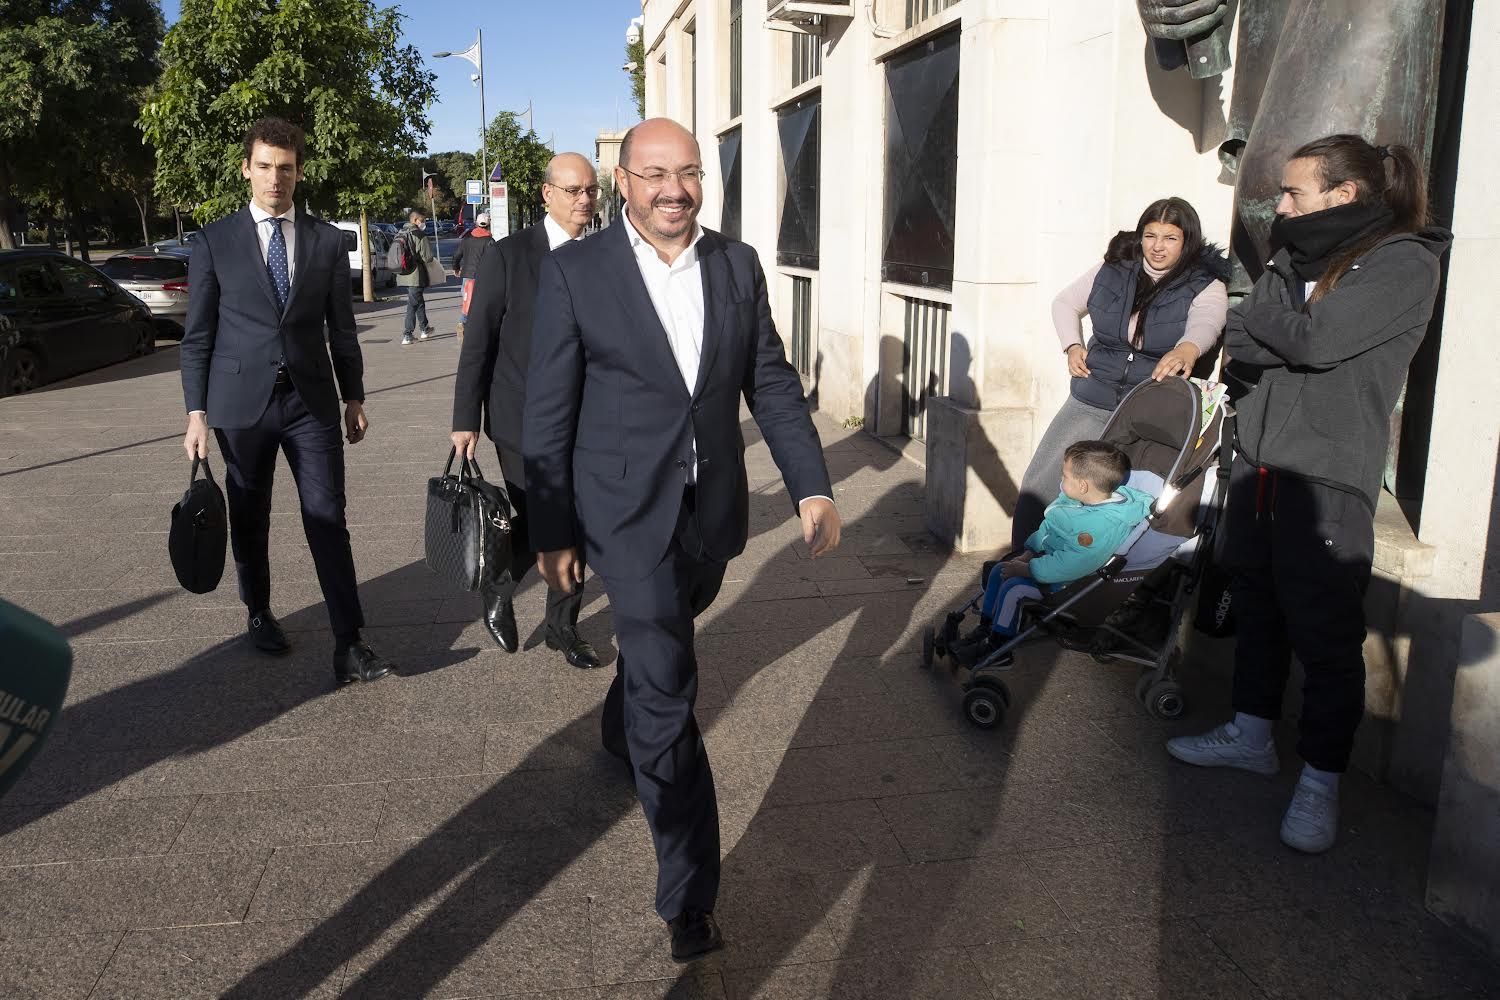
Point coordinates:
pixel 798 125
pixel 807 58
pixel 729 171
pixel 736 56
pixel 921 159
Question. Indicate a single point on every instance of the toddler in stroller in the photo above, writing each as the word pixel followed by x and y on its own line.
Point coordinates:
pixel 1093 513
pixel 1173 434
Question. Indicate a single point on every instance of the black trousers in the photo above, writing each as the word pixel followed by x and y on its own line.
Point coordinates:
pixel 1301 555
pixel 649 713
pixel 315 452
pixel 562 608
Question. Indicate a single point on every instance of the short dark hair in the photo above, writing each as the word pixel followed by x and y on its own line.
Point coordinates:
pixel 1100 462
pixel 277 132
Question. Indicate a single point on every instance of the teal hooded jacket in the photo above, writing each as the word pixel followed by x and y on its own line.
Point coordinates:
pixel 1076 539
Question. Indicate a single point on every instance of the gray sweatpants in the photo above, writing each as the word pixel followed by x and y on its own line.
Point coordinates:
pixel 1075 421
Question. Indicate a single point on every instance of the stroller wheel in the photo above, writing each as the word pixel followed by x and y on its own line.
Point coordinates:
pixel 929 647
pixel 983 707
pixel 1164 700
pixel 997 687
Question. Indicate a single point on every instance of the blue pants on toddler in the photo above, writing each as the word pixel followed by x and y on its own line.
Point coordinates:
pixel 1003 597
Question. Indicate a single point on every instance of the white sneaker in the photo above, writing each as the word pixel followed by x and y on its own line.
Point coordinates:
pixel 1311 822
pixel 425 334
pixel 1225 746
pixel 406 341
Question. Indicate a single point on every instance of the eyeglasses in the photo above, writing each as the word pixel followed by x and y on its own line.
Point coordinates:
pixel 575 190
pixel 656 178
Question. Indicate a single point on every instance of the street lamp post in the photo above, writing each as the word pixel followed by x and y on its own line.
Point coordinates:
pixel 475 54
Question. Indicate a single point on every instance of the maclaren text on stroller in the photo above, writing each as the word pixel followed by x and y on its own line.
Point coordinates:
pixel 1177 434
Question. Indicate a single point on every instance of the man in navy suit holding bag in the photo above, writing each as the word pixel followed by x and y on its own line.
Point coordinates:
pixel 645 340
pixel 264 284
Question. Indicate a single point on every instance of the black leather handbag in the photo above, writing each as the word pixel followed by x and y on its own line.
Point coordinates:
pixel 199 532
pixel 468 531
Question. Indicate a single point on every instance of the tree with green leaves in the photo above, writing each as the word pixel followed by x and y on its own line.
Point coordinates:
pixel 72 75
pixel 337 68
pixel 523 159
pixel 457 168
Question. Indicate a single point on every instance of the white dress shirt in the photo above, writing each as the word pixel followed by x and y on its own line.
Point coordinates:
pixel 676 290
pixel 557 235
pixel 288 231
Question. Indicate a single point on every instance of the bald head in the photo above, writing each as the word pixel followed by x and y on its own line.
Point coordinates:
pixel 661 176
pixel 575 161
pixel 570 191
pixel 655 130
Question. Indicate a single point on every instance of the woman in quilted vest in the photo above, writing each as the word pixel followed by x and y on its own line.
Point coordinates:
pixel 1157 304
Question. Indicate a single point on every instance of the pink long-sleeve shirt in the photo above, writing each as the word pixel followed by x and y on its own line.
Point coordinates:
pixel 1205 318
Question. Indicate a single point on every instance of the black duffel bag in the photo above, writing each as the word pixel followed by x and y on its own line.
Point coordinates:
pixel 467 534
pixel 200 532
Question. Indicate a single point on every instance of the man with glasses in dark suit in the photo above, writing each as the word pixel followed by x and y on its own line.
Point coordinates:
pixel 490 389
pixel 264 284
pixel 647 339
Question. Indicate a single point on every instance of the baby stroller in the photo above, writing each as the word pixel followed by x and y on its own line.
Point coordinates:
pixel 1178 435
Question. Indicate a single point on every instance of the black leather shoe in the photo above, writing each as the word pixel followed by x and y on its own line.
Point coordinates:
pixel 575 648
pixel 359 663
pixel 694 933
pixel 500 619
pixel 265 634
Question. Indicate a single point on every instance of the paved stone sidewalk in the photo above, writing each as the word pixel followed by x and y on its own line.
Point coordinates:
pixel 206 822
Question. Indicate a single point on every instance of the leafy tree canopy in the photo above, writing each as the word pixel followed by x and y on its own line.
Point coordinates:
pixel 335 67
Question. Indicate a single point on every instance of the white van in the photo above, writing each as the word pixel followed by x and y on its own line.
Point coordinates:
pixel 383 276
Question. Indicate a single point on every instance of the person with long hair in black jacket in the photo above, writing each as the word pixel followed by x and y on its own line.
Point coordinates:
pixel 1157 303
pixel 1318 351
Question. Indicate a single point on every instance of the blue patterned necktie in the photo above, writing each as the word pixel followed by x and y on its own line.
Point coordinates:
pixel 276 263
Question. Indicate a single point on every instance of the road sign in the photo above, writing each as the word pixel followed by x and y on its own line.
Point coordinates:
pixel 497 174
pixel 471 188
pixel 476 199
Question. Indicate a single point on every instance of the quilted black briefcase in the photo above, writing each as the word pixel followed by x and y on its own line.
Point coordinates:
pixel 200 532
pixel 467 534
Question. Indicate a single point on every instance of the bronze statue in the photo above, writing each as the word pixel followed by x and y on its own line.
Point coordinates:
pixel 1303 69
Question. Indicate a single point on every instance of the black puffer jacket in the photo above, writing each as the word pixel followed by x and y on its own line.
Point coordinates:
pixel 1323 379
pixel 469 251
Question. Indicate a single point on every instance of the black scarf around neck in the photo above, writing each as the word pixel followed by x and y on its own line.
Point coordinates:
pixel 1315 240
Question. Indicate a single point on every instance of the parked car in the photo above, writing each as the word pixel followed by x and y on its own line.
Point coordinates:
pixel 158 278
pixel 185 243
pixel 71 319
pixel 381 275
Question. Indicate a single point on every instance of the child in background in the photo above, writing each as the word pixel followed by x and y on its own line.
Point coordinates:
pixel 1092 515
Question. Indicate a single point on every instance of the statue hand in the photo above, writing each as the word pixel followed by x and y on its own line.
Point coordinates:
pixel 1180 20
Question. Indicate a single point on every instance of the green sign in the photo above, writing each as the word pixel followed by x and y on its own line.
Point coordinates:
pixel 35 665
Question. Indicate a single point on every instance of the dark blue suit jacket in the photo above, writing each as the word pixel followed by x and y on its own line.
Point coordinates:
pixel 610 426
pixel 234 335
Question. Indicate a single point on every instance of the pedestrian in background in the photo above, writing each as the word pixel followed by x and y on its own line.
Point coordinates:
pixel 415 282
pixel 471 249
